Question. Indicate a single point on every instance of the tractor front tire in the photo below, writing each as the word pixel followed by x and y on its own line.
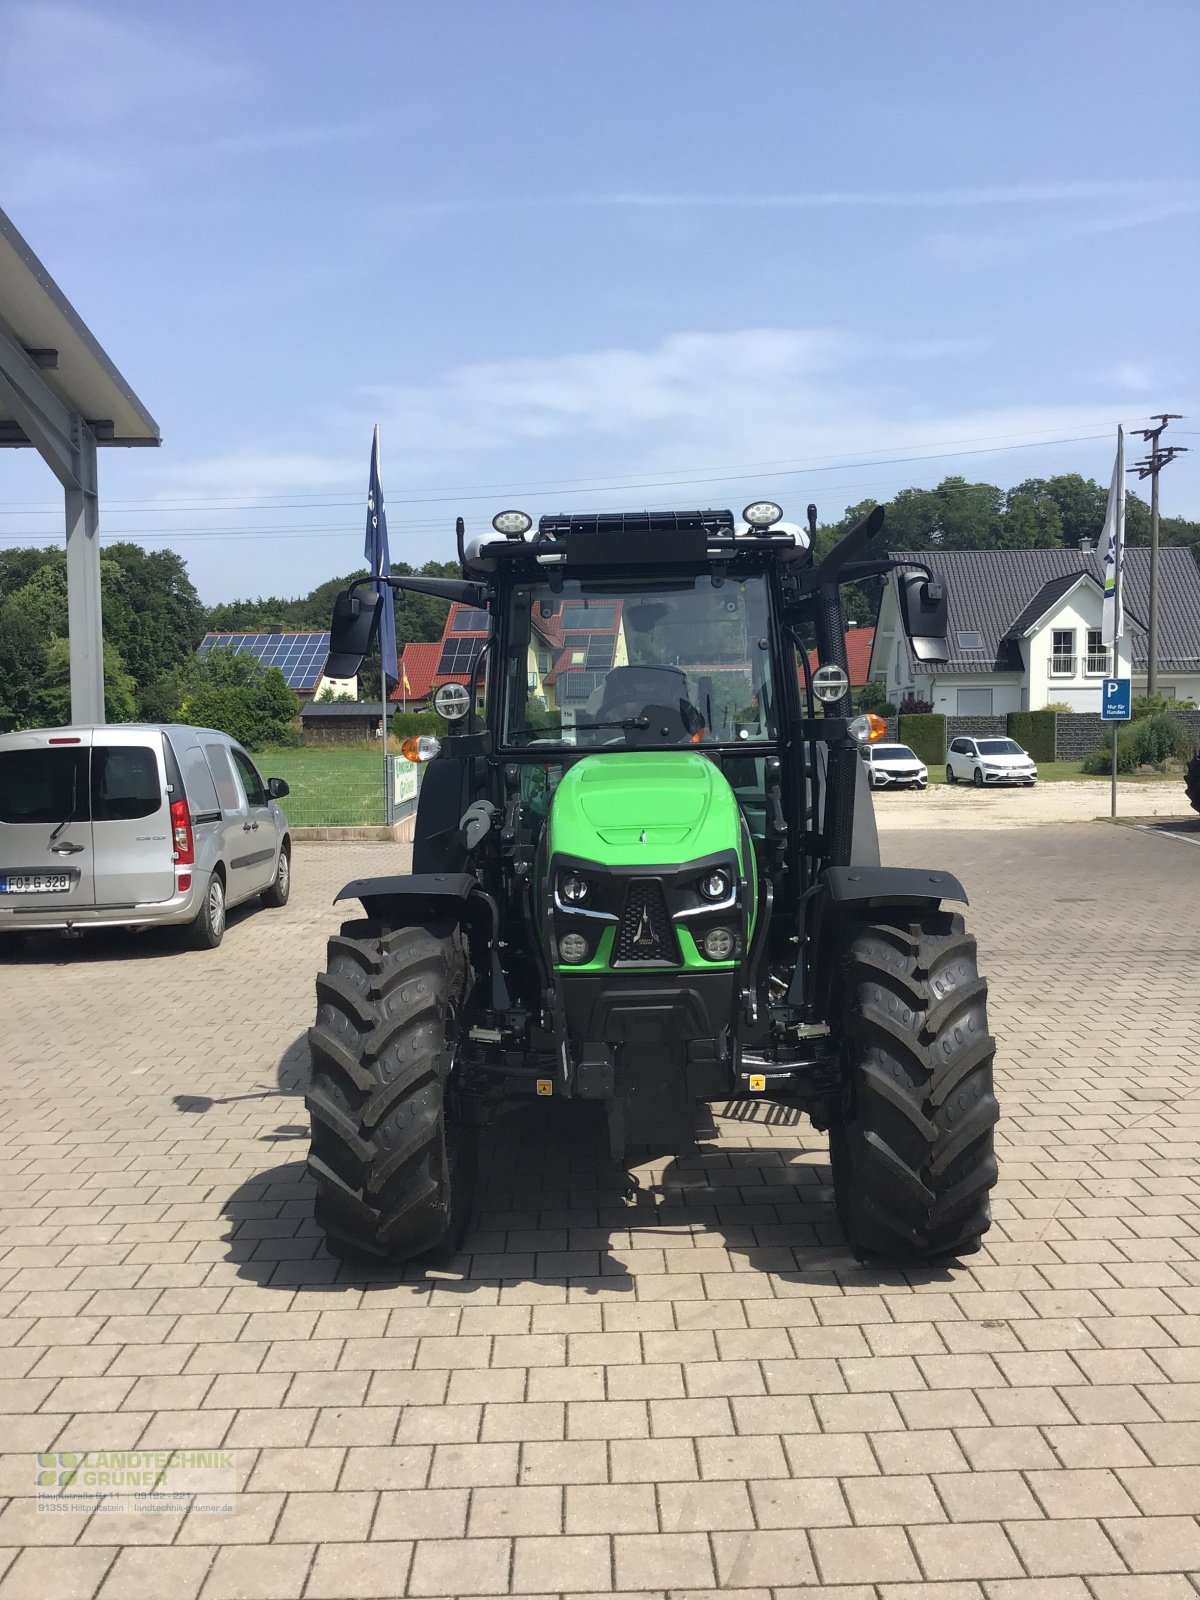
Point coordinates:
pixel 912 1148
pixel 1191 784
pixel 394 1170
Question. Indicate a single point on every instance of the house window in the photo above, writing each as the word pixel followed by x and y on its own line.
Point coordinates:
pixel 970 641
pixel 1097 655
pixel 1062 658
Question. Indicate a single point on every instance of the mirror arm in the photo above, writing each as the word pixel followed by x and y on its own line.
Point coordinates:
pixel 846 549
pixel 460 589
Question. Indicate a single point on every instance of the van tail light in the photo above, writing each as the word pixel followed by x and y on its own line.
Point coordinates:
pixel 181 833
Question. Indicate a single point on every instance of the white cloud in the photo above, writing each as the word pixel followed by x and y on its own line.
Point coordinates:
pixel 1133 376
pixel 695 416
pixel 1162 194
pixel 70 67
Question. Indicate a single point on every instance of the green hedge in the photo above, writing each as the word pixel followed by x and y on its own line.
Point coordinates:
pixel 403 723
pixel 925 733
pixel 1034 731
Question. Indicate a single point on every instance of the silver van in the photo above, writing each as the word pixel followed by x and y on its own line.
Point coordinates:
pixel 135 824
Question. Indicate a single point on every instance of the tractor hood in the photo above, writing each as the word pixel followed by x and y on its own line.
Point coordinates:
pixel 625 809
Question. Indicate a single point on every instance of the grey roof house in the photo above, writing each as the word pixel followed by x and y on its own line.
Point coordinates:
pixel 1025 630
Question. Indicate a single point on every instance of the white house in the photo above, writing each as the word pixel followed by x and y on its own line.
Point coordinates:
pixel 1025 631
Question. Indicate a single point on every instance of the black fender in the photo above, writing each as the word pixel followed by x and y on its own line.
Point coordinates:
pixel 441 901
pixel 416 899
pixel 907 886
pixel 842 891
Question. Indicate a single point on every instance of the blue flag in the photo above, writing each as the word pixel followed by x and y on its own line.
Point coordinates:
pixel 380 562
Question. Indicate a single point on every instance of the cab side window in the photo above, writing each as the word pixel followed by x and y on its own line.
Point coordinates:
pixel 222 771
pixel 197 781
pixel 256 789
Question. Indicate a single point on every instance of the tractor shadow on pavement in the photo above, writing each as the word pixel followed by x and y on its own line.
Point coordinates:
pixel 552 1209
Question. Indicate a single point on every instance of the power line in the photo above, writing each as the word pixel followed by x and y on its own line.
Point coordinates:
pixel 669 477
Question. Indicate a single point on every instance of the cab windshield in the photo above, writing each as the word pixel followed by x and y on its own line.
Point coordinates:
pixel 608 664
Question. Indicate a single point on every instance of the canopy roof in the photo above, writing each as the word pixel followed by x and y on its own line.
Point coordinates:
pixel 38 318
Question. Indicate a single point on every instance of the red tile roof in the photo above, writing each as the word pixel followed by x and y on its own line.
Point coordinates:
pixel 858 655
pixel 419 663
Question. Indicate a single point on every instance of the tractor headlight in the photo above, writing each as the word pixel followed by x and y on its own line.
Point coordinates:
pixel 574 890
pixel 762 514
pixel 573 948
pixel 718 944
pixel 715 885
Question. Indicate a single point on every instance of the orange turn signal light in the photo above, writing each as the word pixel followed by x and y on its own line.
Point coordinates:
pixel 878 727
pixel 420 747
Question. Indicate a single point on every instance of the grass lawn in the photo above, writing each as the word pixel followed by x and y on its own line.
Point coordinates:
pixel 330 788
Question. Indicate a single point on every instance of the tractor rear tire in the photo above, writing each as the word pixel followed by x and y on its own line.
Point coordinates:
pixel 394 1170
pixel 912 1148
pixel 1191 782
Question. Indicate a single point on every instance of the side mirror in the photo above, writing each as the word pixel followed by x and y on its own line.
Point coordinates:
pixel 277 788
pixel 925 613
pixel 352 631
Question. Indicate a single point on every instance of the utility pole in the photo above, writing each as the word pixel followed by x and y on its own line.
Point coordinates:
pixel 1150 468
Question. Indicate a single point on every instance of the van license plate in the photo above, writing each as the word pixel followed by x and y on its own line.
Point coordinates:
pixel 36 882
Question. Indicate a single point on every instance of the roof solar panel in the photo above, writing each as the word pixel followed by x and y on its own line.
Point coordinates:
pixel 299 656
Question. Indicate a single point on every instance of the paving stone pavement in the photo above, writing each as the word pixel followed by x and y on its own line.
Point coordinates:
pixel 685 1388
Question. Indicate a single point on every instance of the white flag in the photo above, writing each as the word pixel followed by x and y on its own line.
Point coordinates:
pixel 1111 549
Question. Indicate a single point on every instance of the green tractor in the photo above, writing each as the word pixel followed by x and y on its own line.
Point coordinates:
pixel 646 874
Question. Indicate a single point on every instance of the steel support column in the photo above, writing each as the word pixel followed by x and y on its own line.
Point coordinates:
pixel 68 446
pixel 84 616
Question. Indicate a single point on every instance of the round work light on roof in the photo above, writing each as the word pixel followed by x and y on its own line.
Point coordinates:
pixel 830 683
pixel 451 700
pixel 512 524
pixel 762 514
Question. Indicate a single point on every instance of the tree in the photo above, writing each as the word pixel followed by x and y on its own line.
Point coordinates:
pixel 1081 504
pixel 22 669
pixel 238 695
pixel 54 697
pixel 151 611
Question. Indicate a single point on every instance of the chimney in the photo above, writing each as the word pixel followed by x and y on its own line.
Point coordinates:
pixel 850 625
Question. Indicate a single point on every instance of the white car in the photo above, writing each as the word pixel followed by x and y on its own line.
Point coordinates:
pixel 984 761
pixel 894 766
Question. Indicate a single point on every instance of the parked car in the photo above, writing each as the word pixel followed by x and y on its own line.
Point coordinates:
pixel 136 825
pixel 984 761
pixel 894 766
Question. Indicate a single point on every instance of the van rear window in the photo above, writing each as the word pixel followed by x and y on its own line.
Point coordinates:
pixel 125 782
pixel 41 785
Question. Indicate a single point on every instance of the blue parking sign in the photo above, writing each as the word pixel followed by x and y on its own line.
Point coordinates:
pixel 1115 700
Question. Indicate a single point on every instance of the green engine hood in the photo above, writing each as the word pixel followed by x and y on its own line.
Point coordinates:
pixel 654 807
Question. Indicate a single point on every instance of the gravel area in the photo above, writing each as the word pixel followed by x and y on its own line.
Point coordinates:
pixel 964 806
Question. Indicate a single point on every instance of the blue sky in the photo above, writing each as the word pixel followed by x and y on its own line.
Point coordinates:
pixel 600 253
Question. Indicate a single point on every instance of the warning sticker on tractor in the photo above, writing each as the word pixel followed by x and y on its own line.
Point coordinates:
pixel 545 1085
pixel 758 1081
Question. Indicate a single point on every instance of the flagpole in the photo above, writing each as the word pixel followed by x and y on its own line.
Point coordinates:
pixel 1117 619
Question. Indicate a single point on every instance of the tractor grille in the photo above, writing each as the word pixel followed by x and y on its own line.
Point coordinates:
pixel 645 932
